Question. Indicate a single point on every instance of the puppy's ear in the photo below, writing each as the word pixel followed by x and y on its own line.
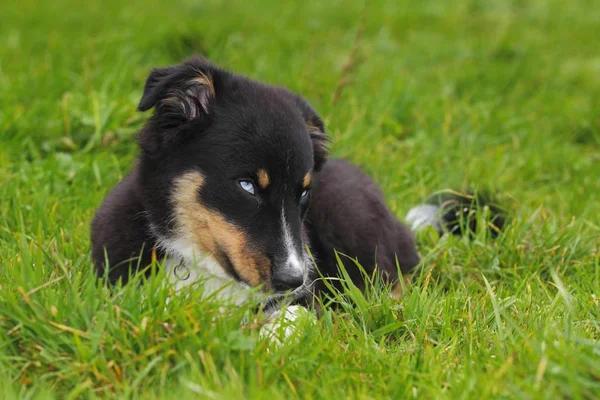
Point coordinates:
pixel 316 131
pixel 178 94
pixel 320 141
pixel 151 94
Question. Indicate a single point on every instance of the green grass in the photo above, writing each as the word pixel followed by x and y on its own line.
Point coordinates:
pixel 423 95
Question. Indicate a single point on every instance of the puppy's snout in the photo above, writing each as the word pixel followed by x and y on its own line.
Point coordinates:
pixel 289 277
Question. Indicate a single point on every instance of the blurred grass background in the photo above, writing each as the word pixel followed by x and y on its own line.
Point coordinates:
pixel 423 95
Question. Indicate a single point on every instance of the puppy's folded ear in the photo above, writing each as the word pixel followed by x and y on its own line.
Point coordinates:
pixel 152 92
pixel 178 94
pixel 316 130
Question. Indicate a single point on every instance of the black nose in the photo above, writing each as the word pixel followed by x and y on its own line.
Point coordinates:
pixel 287 281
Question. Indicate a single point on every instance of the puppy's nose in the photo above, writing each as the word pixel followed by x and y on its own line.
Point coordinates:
pixel 287 280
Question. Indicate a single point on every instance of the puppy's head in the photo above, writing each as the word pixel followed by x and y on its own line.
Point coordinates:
pixel 227 168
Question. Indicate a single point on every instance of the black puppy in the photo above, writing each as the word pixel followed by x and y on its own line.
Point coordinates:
pixel 232 186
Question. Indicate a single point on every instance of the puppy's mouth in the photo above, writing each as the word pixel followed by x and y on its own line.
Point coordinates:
pixel 274 301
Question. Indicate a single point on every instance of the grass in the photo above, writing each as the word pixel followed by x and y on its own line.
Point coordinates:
pixel 423 95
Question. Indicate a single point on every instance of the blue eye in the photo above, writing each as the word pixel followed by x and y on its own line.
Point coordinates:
pixel 304 195
pixel 247 186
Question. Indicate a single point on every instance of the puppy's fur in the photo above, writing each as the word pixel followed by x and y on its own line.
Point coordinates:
pixel 232 184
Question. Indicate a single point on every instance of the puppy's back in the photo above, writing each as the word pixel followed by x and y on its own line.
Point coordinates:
pixel 348 213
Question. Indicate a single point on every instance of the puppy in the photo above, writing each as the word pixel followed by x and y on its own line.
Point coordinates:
pixel 232 186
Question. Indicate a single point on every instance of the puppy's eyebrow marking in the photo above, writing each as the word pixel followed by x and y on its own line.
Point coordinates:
pixel 263 178
pixel 306 180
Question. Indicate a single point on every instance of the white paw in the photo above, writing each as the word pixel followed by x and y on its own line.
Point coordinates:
pixel 284 323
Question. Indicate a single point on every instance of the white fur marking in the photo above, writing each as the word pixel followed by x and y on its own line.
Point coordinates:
pixel 185 260
pixel 293 261
pixel 424 215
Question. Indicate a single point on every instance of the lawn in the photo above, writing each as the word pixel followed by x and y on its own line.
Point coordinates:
pixel 424 95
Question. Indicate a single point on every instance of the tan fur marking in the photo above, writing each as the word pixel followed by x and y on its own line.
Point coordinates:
pixel 263 178
pixel 306 180
pixel 212 233
pixel 312 127
pixel 206 80
pixel 173 101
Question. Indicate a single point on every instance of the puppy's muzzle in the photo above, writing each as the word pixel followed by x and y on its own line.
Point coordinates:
pixel 287 277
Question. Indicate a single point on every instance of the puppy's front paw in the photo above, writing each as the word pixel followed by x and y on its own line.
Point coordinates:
pixel 284 323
